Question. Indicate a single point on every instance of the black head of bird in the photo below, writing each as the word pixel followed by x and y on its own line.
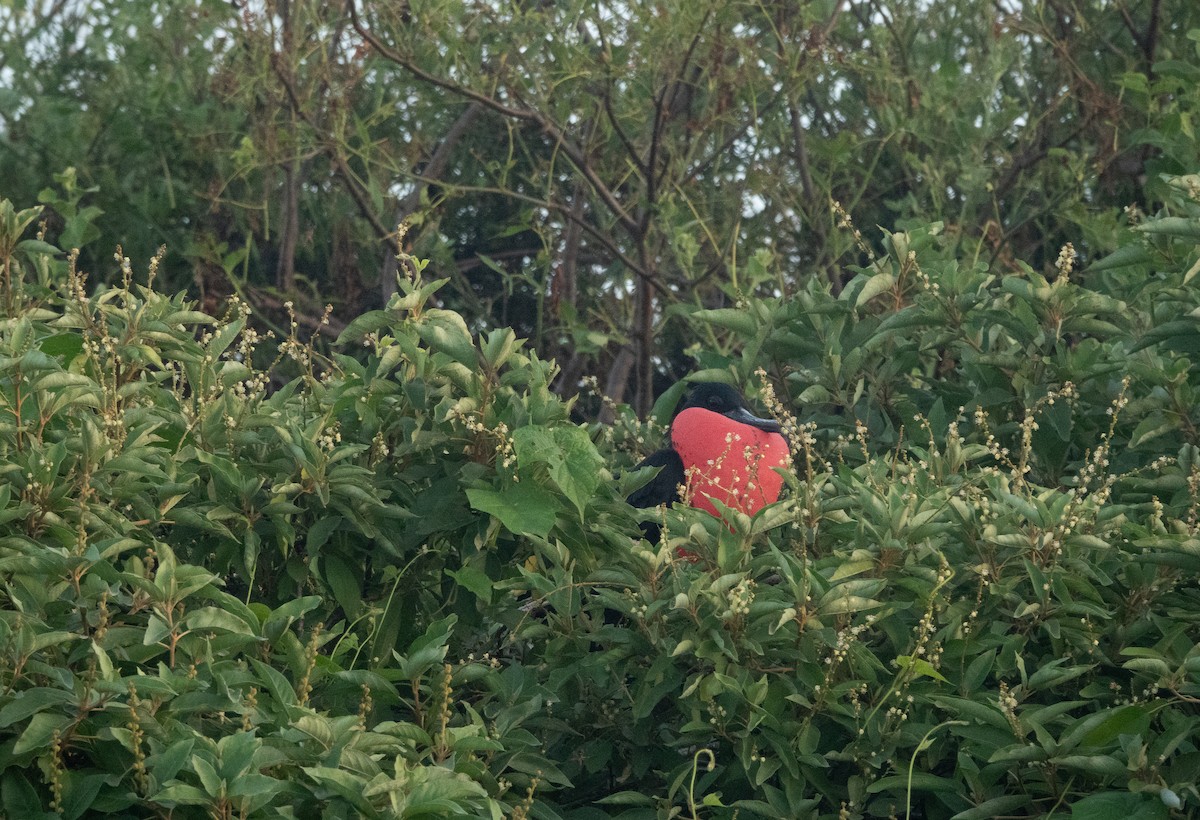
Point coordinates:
pixel 726 401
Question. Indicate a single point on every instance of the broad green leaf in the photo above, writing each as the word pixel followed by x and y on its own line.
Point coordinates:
pixel 165 765
pixel 181 794
pixel 1178 226
pixel 877 284
pixel 920 666
pixel 37 735
pixel 920 782
pixel 626 798
pixel 474 580
pixel 344 582
pixel 739 321
pixel 573 463
pixel 1119 806
pixel 1134 253
pixel 66 345
pixel 445 331
pixel 31 701
pixel 346 785
pixel 1101 765
pixel 236 751
pixel 212 618
pixel 996 807
pixel 522 509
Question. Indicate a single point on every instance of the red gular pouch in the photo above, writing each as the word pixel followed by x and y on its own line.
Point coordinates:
pixel 728 460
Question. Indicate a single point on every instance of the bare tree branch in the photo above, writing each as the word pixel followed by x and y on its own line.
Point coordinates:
pixel 605 240
pixel 572 151
pixel 351 182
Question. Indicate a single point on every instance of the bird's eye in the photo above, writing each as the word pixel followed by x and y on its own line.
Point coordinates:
pixel 714 401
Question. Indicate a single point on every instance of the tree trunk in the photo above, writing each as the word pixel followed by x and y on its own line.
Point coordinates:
pixel 618 380
pixel 285 268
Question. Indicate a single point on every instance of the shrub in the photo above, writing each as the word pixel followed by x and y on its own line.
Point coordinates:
pixel 404 582
pixel 150 473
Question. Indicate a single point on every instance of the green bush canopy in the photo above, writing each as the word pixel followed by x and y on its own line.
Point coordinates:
pixel 311 515
pixel 405 582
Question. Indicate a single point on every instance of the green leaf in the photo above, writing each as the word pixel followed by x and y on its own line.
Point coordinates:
pixel 1152 426
pixel 64 345
pixel 1134 253
pixel 500 345
pixel 996 807
pixel 1130 720
pixel 1119 806
pixel 224 337
pixel 320 531
pixel 877 284
pixel 31 701
pixel 275 682
pixel 210 778
pixel 920 666
pixel 978 670
pixel 79 792
pixel 665 406
pixel 848 569
pixel 626 799
pixel 1168 331
pixel 445 331
pixel 438 794
pixel 344 581
pixel 574 465
pixel 522 508
pixel 188 317
pixel 921 782
pixel 38 733
pixel 475 580
pixel 1178 226
pixel 429 649
pixel 210 618
pixel 370 322
pixel 741 322
pixel 294 609
pixel 181 794
pixel 1052 675
pixel 1101 765
pixel 346 785
pixel 18 797
pixel 165 765
pixel 44 640
pixel 236 752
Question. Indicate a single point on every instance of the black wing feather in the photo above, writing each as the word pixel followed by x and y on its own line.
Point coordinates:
pixel 664 487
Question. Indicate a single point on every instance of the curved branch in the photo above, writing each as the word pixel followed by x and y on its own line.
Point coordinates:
pixel 572 151
pixel 344 173
pixel 566 211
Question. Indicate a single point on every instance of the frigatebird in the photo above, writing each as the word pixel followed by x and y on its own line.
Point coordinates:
pixel 718 450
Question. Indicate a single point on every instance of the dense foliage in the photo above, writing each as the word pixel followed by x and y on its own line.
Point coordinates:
pixel 586 172
pixel 264 557
pixel 405 583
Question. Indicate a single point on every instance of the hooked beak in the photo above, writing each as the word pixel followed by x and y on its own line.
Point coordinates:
pixel 744 416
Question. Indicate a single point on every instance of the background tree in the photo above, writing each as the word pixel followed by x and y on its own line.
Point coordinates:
pixel 587 172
